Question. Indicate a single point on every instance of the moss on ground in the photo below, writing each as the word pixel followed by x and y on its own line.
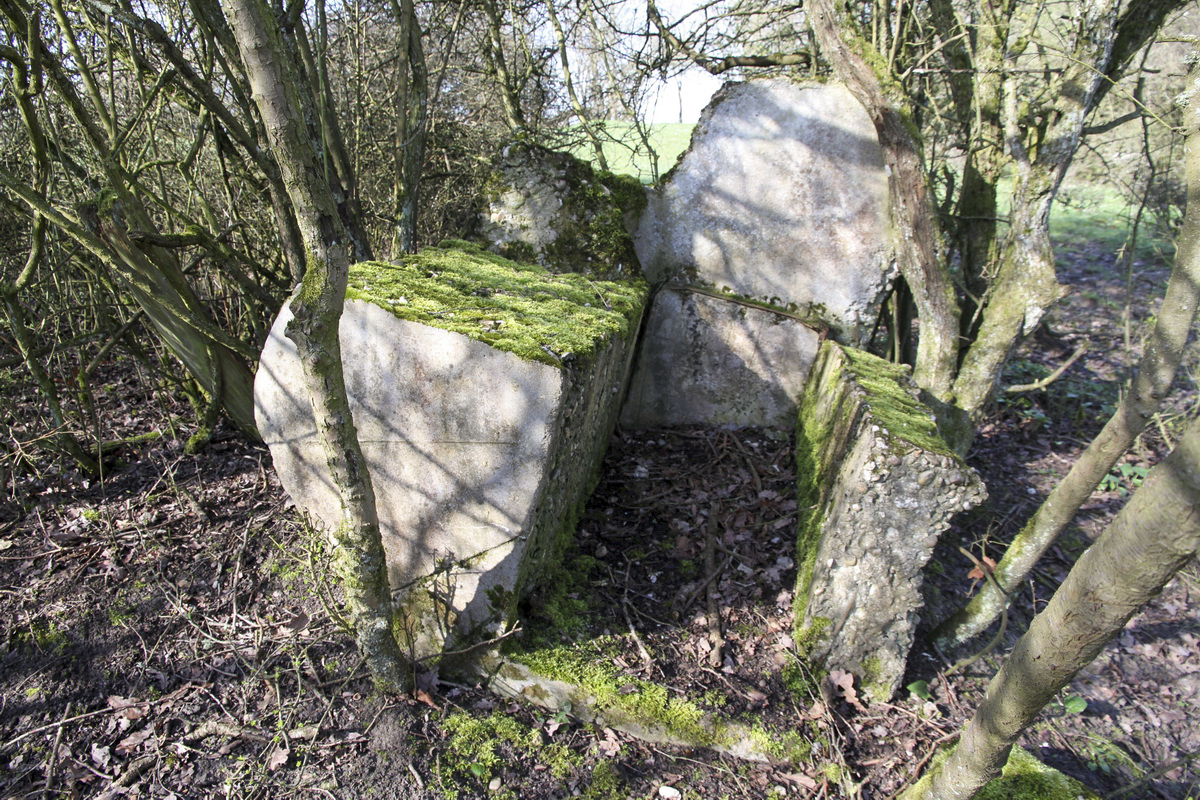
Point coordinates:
pixel 1023 778
pixel 589 666
pixel 518 308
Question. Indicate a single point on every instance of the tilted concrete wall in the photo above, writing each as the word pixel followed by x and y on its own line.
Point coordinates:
pixel 782 197
pixel 782 200
pixel 718 362
pixel 877 487
pixel 481 459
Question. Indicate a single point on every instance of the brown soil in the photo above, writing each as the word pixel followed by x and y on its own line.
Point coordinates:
pixel 167 633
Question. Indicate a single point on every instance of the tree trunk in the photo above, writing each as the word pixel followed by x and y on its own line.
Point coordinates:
pixel 412 129
pixel 339 173
pixel 1151 384
pixel 913 217
pixel 588 129
pixel 510 94
pixel 1152 538
pixel 317 307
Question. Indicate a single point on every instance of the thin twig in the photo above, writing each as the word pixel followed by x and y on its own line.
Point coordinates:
pixel 987 573
pixel 65 721
pixel 1053 376
pixel 472 648
pixel 52 762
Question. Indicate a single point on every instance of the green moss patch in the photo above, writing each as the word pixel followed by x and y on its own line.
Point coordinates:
pixel 1023 778
pixel 901 415
pixel 518 308
pixel 478 748
pixel 588 666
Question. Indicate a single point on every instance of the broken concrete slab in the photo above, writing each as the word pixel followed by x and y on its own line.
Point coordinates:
pixel 877 487
pixel 554 210
pixel 781 198
pixel 713 360
pixel 484 393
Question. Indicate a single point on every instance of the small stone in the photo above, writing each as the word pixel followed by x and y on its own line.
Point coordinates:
pixel 669 793
pixel 925 478
pixel 494 785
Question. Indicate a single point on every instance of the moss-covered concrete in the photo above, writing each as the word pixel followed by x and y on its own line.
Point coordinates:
pixel 518 308
pixel 554 209
pixel 581 679
pixel 876 485
pixel 483 449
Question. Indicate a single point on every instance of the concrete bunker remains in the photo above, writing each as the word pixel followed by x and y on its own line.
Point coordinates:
pixel 484 458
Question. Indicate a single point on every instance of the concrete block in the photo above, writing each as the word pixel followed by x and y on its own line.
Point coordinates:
pixel 708 360
pixel 484 393
pixel 553 209
pixel 783 198
pixel 877 487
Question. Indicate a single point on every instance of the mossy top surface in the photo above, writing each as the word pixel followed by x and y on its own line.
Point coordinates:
pixel 902 415
pixel 519 308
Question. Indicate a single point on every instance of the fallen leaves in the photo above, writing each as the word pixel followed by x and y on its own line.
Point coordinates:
pixel 843 684
pixel 977 573
pixel 610 745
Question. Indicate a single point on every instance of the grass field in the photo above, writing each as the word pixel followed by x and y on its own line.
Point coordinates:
pixel 626 155
pixel 1098 215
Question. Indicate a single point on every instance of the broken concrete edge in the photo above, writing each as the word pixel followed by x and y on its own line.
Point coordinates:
pixel 1023 777
pixel 849 315
pixel 706 360
pixel 590 229
pixel 575 469
pixel 564 679
pixel 861 433
pixel 515 307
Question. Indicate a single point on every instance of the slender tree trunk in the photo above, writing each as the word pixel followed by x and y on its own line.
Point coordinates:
pixel 913 215
pixel 317 307
pixel 339 172
pixel 510 95
pixel 588 129
pixel 1153 537
pixel 412 129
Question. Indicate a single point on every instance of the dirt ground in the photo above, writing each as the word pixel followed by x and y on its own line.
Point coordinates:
pixel 170 631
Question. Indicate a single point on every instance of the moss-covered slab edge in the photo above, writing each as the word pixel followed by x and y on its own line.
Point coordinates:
pixel 519 308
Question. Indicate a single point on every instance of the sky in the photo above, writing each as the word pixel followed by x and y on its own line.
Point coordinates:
pixel 682 98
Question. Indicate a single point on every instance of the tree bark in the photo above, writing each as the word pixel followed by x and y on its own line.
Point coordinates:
pixel 412 129
pixel 1153 537
pixel 317 308
pixel 913 216
pixel 589 130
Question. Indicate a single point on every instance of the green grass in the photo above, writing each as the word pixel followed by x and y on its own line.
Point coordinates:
pixel 625 153
pixel 1089 216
